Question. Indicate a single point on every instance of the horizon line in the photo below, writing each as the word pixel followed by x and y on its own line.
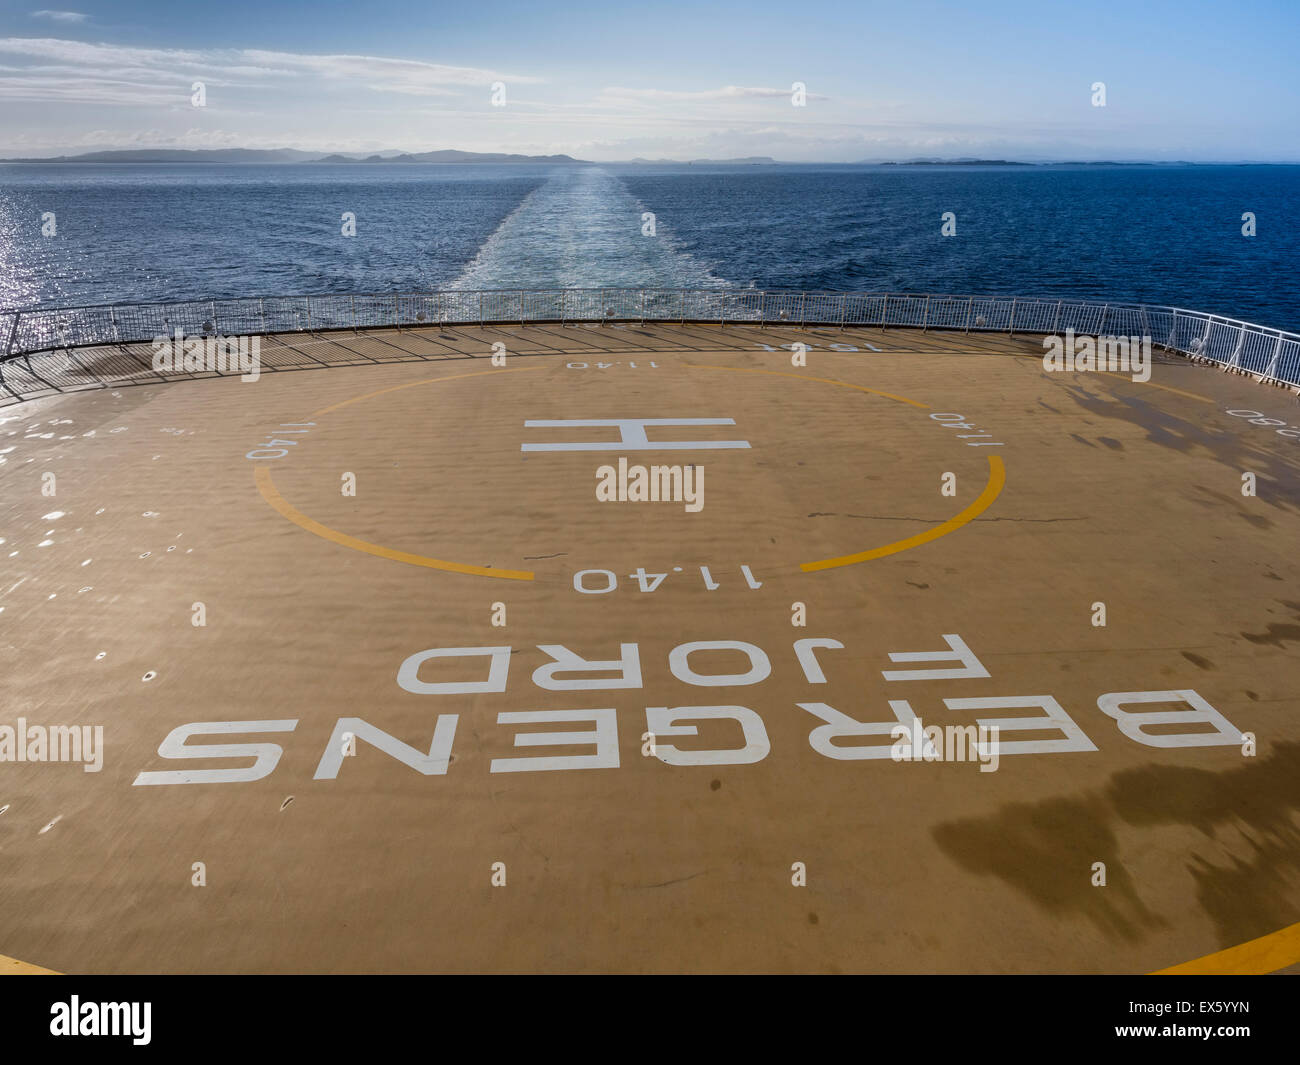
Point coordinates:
pixel 391 155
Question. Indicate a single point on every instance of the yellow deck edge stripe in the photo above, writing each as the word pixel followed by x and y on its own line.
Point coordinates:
pixel 14 967
pixel 1267 954
pixel 1258 957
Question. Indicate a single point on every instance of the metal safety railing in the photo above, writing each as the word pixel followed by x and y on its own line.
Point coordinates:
pixel 1270 355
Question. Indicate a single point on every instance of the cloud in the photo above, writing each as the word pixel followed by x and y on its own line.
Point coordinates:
pixel 727 92
pixel 61 16
pixel 83 72
pixel 53 90
pixel 408 76
pixel 154 138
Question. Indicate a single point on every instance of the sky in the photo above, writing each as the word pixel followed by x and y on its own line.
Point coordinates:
pixel 1185 80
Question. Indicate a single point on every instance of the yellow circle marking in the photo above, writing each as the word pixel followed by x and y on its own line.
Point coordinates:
pixel 266 486
pixel 997 478
pixel 992 489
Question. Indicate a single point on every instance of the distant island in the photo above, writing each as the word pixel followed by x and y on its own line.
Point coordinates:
pixel 1013 162
pixel 292 155
pixel 451 156
pixel 955 162
pixel 184 155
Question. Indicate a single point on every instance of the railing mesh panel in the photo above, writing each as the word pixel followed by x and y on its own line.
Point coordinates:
pixel 53 350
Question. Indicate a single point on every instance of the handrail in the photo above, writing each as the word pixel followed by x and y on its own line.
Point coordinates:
pixel 1270 355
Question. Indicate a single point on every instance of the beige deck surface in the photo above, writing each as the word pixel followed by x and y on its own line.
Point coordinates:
pixel 1115 492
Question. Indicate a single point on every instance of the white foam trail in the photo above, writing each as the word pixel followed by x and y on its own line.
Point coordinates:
pixel 581 229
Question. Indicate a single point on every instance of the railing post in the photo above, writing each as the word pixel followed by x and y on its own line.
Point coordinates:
pixel 1056 321
pixel 480 310
pixel 925 317
pixel 13 333
pixel 307 301
pixel 762 310
pixel 1241 340
pixel 681 306
pixel 843 300
pixel 884 314
pixel 643 308
pixel 1271 372
pixel 397 315
pixel 1012 323
pixel 970 309
pixel 1173 333
pixel 354 313
pixel 261 307
pixel 1101 329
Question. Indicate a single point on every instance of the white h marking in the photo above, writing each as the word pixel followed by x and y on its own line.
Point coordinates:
pixel 632 432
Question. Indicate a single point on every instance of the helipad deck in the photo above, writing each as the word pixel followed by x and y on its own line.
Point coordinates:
pixel 476 718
